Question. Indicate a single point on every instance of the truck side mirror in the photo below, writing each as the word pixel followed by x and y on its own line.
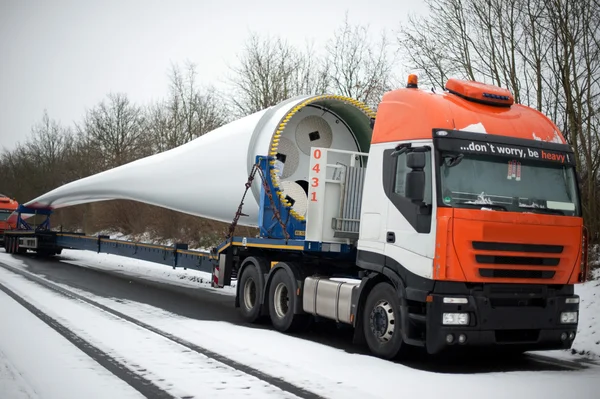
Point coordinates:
pixel 415 185
pixel 415 179
pixel 415 160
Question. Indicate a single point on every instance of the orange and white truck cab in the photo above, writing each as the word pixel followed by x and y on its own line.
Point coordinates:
pixel 473 201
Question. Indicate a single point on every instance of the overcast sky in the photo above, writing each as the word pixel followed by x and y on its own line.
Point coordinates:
pixel 65 56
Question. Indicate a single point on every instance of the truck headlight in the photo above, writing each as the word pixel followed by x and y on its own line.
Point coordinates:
pixel 455 300
pixel 568 317
pixel 461 319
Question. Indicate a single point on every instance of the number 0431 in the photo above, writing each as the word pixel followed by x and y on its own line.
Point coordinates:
pixel 315 180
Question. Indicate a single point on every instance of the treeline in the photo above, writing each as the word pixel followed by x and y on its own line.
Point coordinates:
pixel 545 52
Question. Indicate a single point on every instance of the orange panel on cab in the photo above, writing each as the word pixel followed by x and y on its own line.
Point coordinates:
pixel 411 113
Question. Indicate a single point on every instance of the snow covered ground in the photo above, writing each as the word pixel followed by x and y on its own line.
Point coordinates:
pixel 37 362
pixel 327 371
pixel 145 238
pixel 587 342
pixel 165 363
pixel 142 269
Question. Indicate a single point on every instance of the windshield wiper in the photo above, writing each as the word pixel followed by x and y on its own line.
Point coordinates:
pixel 493 206
pixel 543 210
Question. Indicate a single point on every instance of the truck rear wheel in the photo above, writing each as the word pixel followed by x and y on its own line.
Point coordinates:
pixel 381 321
pixel 282 302
pixel 250 293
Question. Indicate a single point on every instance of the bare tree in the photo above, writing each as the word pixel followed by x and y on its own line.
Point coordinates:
pixel 116 127
pixel 188 112
pixel 546 53
pixel 49 143
pixel 270 71
pixel 40 161
pixel 438 45
pixel 357 67
pixel 312 74
pixel 576 65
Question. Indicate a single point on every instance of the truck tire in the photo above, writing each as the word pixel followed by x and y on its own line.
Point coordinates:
pixel 381 321
pixel 251 288
pixel 282 298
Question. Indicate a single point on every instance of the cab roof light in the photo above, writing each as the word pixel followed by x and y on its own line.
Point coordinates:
pixel 496 96
pixel 480 92
pixel 412 82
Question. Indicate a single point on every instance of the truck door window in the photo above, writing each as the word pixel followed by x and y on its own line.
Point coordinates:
pixel 395 171
pixel 401 172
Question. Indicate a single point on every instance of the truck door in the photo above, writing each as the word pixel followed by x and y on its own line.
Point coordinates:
pixel 410 233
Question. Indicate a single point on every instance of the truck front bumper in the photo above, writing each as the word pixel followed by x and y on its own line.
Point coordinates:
pixel 518 321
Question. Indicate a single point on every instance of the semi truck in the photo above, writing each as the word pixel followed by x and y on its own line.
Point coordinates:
pixel 454 222
pixel 7 207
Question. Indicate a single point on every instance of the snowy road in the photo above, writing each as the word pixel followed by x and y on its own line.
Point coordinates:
pixel 104 333
pixel 235 360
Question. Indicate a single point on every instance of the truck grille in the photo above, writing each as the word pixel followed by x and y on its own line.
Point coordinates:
pixel 525 261
pixel 512 247
pixel 512 273
pixel 517 260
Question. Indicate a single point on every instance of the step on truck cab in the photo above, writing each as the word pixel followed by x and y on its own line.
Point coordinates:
pixel 460 227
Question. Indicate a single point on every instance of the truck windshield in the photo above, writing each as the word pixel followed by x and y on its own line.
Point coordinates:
pixel 483 181
pixel 4 214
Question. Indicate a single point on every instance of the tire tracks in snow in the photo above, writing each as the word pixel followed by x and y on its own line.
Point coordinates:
pixel 144 386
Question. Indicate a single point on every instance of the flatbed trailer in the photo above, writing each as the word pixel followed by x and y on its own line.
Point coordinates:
pixel 48 243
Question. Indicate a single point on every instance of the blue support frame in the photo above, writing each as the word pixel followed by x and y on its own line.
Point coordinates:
pixel 267 221
pixel 23 225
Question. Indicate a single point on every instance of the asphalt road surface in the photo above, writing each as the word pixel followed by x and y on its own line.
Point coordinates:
pixel 208 305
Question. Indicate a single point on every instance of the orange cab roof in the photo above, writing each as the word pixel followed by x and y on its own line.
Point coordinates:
pixel 8 203
pixel 412 113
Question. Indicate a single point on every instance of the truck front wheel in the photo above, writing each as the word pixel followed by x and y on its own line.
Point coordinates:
pixel 381 321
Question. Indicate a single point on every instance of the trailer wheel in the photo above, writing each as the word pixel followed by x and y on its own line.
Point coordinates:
pixel 282 301
pixel 250 293
pixel 381 321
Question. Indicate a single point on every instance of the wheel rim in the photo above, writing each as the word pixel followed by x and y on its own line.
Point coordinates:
pixel 249 293
pixel 281 300
pixel 382 321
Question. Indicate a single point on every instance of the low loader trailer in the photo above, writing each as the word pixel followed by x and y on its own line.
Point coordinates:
pixel 460 227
